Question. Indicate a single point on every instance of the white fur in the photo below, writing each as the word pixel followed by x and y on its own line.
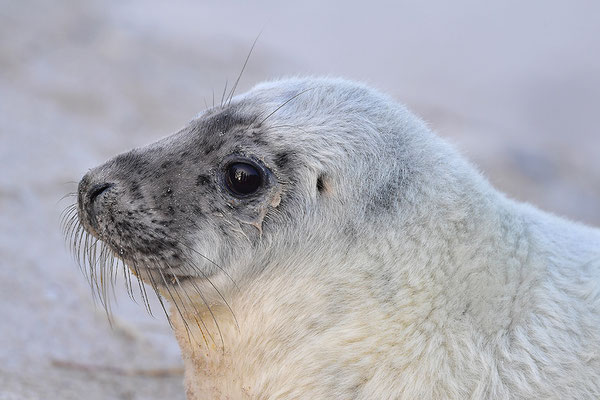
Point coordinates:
pixel 410 277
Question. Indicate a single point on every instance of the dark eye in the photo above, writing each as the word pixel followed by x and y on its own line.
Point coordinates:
pixel 243 178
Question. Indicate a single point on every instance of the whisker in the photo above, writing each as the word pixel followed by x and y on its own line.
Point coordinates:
pixel 160 300
pixel 231 94
pixel 191 302
pixel 143 292
pixel 83 239
pixel 75 236
pixel 211 312
pixel 187 328
pixel 196 268
pixel 284 103
pixel 207 259
pixel 204 276
pixel 127 279
pixel 199 292
pixel 66 216
pixel 223 95
pixel 289 126
pixel 69 218
pixel 68 222
pixel 70 194
pixel 68 208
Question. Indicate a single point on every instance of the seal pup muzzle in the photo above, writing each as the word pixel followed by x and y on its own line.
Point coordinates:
pixel 316 240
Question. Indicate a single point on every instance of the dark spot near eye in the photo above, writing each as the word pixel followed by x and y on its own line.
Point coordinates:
pixel 171 210
pixel 321 184
pixel 224 121
pixel 282 160
pixel 165 165
pixel 202 180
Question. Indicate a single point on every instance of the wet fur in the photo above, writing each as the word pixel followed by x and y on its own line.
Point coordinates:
pixel 377 263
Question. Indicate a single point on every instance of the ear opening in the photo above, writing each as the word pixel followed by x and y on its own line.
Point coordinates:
pixel 321 184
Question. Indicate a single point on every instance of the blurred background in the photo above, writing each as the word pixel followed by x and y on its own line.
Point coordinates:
pixel 515 85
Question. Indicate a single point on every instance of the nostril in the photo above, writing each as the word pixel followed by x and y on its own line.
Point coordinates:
pixel 97 190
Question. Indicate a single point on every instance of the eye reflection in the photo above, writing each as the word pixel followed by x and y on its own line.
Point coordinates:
pixel 243 179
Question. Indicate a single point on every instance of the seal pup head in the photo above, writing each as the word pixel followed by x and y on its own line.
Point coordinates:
pixel 293 174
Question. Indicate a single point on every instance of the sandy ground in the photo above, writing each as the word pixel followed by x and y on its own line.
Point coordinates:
pixel 516 86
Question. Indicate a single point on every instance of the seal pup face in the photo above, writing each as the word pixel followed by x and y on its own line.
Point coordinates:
pixel 184 206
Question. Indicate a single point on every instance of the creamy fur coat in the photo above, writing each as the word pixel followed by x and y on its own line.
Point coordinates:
pixel 376 264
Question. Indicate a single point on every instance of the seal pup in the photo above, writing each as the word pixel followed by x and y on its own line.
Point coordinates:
pixel 316 240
